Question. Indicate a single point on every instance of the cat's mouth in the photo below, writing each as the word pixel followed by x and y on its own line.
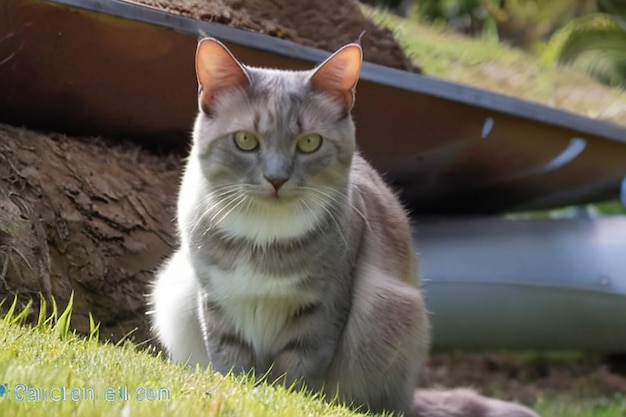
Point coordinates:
pixel 279 197
pixel 272 193
pixel 272 196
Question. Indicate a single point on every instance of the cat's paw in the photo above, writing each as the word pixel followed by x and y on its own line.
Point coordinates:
pixel 464 403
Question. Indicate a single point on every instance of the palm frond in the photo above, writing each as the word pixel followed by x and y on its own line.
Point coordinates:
pixel 594 43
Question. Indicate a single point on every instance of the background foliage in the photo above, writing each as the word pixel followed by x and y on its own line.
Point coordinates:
pixel 587 34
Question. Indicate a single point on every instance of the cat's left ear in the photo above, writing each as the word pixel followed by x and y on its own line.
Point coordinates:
pixel 338 75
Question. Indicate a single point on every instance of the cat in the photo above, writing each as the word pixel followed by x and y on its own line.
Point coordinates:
pixel 296 260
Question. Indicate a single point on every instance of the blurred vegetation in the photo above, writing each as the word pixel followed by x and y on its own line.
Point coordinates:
pixel 610 208
pixel 603 209
pixel 587 34
pixel 595 43
pixel 486 63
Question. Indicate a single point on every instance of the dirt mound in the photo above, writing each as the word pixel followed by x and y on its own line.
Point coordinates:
pixel 324 24
pixel 85 216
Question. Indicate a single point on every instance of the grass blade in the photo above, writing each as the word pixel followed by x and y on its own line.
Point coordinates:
pixel 62 325
pixel 41 318
pixel 14 317
pixel 94 328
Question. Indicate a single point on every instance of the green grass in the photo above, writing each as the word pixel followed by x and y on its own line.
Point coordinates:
pixel 43 357
pixel 486 64
pixel 50 355
pixel 568 407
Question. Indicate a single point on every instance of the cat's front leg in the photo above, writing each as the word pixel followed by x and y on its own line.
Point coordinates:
pixel 307 345
pixel 228 351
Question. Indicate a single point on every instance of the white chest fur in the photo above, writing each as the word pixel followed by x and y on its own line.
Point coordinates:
pixel 258 306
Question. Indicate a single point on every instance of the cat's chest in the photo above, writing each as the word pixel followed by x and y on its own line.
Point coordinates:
pixel 246 281
pixel 258 306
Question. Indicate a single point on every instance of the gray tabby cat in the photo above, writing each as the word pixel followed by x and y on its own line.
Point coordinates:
pixel 295 257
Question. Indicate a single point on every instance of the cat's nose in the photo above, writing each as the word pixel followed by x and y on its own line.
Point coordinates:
pixel 277 182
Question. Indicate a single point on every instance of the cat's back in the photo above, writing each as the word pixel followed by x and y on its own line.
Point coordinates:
pixel 386 238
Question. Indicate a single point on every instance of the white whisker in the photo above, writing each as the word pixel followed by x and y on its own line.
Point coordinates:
pixel 228 206
pixel 243 198
pixel 323 204
pixel 318 225
pixel 363 216
pixel 219 194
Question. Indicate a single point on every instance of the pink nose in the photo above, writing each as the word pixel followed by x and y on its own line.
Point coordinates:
pixel 276 182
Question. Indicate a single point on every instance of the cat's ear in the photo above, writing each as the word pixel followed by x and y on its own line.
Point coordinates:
pixel 338 75
pixel 218 71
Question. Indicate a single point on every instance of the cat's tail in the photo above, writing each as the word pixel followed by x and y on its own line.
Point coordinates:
pixel 464 403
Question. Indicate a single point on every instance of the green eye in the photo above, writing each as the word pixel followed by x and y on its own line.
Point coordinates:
pixel 246 141
pixel 309 143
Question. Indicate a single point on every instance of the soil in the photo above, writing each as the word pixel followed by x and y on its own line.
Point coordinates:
pixel 323 24
pixel 527 378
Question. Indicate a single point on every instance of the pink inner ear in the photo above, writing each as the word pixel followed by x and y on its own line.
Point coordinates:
pixel 338 75
pixel 218 71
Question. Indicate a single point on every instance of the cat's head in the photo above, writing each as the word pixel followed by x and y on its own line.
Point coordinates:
pixel 280 141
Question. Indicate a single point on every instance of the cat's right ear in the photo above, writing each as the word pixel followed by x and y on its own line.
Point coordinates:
pixel 338 75
pixel 217 71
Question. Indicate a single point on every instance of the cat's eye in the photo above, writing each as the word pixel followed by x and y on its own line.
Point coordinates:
pixel 246 141
pixel 309 143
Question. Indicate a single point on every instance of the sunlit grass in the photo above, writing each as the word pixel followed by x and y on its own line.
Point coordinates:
pixel 485 63
pixel 124 381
